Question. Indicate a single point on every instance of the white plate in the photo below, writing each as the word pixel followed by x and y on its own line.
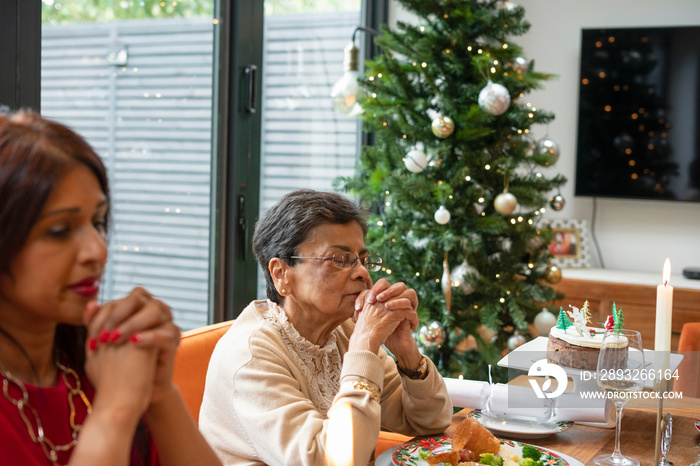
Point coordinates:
pixel 520 429
pixel 413 453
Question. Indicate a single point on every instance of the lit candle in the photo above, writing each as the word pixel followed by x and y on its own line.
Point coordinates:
pixel 664 308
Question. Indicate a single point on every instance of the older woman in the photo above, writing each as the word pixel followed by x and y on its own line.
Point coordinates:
pixel 277 378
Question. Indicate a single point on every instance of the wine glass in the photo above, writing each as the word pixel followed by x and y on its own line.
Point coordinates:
pixel 619 374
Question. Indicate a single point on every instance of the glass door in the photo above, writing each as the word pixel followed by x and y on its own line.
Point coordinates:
pixel 135 78
pixel 305 143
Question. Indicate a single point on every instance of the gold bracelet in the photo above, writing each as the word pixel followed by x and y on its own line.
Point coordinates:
pixel 357 385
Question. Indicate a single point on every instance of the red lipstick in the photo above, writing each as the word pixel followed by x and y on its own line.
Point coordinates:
pixel 89 287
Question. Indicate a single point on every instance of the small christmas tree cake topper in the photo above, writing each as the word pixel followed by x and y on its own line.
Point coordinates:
pixel 586 311
pixel 563 321
pixel 618 320
pixel 615 322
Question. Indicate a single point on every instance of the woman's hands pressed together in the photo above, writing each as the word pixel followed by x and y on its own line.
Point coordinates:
pixel 386 315
pixel 136 323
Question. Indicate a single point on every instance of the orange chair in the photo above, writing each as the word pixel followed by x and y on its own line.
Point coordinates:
pixel 192 360
pixel 389 440
pixel 190 373
pixel 689 345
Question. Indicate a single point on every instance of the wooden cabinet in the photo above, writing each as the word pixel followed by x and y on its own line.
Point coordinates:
pixel 637 300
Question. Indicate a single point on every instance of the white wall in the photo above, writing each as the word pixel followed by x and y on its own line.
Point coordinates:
pixel 632 235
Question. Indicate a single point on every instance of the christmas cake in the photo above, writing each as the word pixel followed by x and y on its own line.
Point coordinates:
pixel 575 344
pixel 567 348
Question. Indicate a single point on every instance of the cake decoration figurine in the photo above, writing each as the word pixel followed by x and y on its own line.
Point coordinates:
pixel 609 323
pixel 580 320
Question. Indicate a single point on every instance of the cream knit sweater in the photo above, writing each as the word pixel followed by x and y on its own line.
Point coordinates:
pixel 257 407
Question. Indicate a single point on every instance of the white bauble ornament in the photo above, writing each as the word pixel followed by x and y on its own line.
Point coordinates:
pixel 516 340
pixel 459 277
pixel 442 215
pixel 505 203
pixel 548 147
pixel 494 99
pixel 442 126
pixel 416 161
pixel 544 321
pixel 557 202
pixel 432 334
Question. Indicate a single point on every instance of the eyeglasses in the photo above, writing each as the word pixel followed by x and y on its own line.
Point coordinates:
pixel 348 260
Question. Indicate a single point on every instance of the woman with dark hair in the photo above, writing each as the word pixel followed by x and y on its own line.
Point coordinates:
pixel 83 383
pixel 279 379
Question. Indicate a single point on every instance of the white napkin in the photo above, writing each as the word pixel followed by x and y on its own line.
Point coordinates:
pixel 467 393
pixel 512 401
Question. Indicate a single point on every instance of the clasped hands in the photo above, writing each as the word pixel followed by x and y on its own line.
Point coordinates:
pixel 386 315
pixel 131 345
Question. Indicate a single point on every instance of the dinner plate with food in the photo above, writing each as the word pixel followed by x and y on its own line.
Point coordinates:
pixel 519 429
pixel 472 445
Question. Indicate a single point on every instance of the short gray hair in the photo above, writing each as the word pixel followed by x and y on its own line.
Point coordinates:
pixel 292 220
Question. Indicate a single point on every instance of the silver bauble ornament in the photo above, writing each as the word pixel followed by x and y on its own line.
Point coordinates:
pixel 505 203
pixel 431 334
pixel 516 340
pixel 459 277
pixel 544 321
pixel 557 202
pixel 548 147
pixel 506 5
pixel 538 176
pixel 442 126
pixel 416 161
pixel 519 65
pixel 494 99
pixel 442 215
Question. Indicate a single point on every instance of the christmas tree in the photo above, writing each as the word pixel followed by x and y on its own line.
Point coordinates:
pixel 455 181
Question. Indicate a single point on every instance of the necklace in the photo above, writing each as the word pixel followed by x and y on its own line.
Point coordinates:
pixel 29 414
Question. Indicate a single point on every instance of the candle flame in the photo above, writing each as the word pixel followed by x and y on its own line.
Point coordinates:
pixel 339 438
pixel 667 271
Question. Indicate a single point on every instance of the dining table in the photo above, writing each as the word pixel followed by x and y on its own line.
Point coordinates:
pixel 637 438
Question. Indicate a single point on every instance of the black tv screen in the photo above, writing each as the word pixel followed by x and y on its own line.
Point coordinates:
pixel 639 113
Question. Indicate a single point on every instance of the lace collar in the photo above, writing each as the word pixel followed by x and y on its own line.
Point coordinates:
pixel 321 365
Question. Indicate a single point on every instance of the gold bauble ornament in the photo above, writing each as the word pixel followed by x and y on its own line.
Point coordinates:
pixel 553 274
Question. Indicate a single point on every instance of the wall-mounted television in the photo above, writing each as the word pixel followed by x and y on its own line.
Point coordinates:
pixel 639 113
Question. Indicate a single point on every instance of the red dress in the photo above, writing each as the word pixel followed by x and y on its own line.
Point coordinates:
pixel 51 404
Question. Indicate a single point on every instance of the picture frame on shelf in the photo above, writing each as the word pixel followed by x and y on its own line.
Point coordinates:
pixel 570 242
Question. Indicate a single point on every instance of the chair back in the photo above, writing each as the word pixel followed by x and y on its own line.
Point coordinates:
pixel 192 361
pixel 689 369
